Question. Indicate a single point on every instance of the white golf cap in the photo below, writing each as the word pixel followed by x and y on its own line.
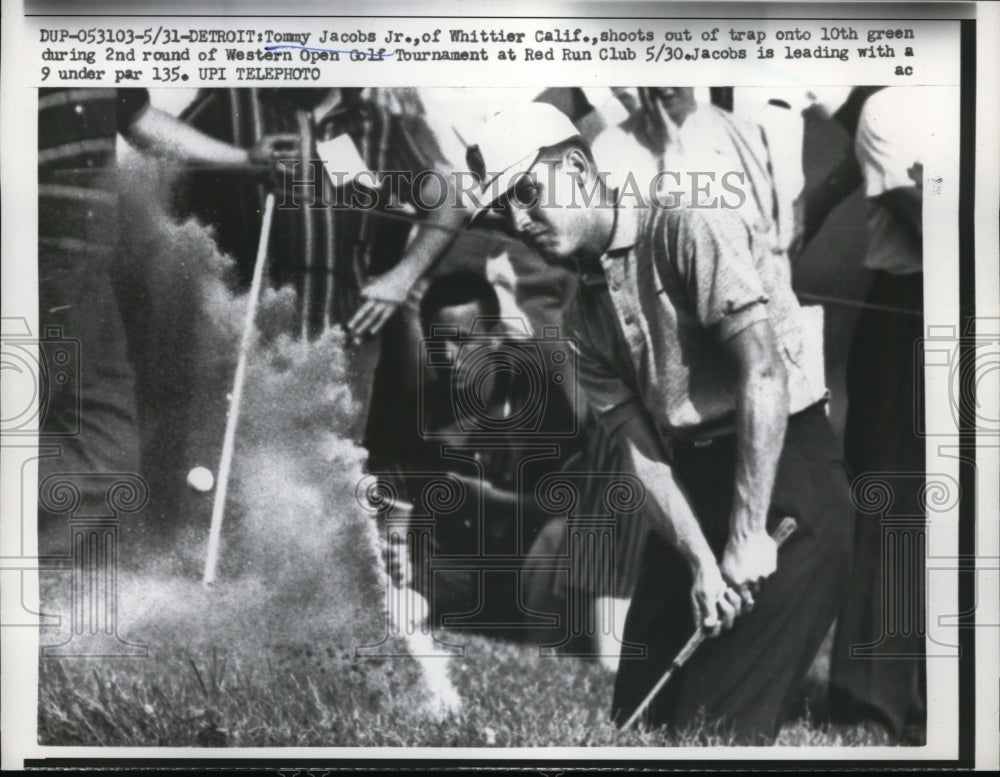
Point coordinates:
pixel 509 143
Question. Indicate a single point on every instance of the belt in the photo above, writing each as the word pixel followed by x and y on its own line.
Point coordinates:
pixel 725 430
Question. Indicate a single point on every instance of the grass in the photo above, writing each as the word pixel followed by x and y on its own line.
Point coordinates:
pixel 301 695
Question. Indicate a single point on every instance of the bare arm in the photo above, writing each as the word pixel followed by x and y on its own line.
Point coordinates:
pixel 434 235
pixel 715 604
pixel 385 293
pixel 158 132
pixel 674 520
pixel 761 418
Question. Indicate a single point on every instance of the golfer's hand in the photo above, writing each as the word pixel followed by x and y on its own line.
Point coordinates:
pixel 370 318
pixel 382 296
pixel 747 562
pixel 716 605
pixel 271 149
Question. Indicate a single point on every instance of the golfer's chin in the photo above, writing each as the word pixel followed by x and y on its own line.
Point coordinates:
pixel 552 251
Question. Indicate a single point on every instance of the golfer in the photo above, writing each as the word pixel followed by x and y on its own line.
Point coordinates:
pixel 690 351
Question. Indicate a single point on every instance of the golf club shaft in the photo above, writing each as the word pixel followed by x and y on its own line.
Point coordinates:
pixel 228 442
pixel 783 531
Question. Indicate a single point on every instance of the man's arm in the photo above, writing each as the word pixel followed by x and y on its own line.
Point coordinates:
pixel 158 132
pixel 761 418
pixel 715 604
pixel 385 293
pixel 714 252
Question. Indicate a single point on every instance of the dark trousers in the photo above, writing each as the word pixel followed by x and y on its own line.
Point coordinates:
pixel 877 669
pixel 744 681
pixel 88 421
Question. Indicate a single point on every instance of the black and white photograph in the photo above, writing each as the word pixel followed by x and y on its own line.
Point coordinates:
pixel 493 418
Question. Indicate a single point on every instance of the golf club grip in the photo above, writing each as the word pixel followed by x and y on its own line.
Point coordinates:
pixel 782 532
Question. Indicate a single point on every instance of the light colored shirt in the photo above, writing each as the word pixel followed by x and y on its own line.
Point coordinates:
pixel 649 330
pixel 717 141
pixel 710 143
pixel 894 133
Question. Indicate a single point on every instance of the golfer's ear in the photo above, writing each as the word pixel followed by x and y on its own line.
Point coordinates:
pixel 575 160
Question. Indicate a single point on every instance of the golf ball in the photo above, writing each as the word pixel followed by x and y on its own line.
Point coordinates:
pixel 201 479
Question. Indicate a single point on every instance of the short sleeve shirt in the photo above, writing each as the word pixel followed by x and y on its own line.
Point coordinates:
pixel 77 199
pixel 650 329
